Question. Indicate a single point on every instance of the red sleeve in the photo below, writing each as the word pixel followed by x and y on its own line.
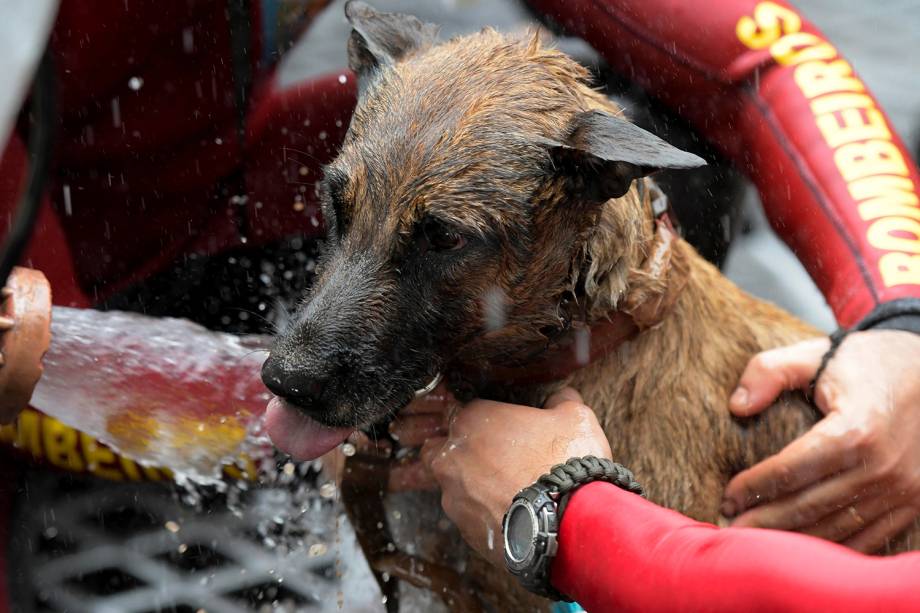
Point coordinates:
pixel 619 552
pixel 777 98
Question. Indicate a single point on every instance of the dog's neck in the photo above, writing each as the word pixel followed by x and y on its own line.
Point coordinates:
pixel 652 291
pixel 623 294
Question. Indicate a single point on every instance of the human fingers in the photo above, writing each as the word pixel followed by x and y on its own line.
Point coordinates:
pixel 771 372
pixel 852 519
pixel 439 400
pixel 806 460
pixel 566 394
pixel 432 450
pixel 875 535
pixel 411 476
pixel 413 430
pixel 803 509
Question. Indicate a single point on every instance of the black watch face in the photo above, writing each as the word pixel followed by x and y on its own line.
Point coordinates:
pixel 522 529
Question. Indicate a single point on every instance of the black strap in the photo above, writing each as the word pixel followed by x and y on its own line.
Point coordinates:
pixel 41 138
pixel 902 314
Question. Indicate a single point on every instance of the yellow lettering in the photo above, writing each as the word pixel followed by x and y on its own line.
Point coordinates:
pixel 819 78
pixel 153 474
pixel 99 458
pixel 881 234
pixel 769 23
pixel 61 445
pixel 899 269
pixel 884 186
pixel 838 102
pixel 801 47
pixel 883 207
pixel 130 468
pixel 28 432
pixel 874 157
pixel 850 126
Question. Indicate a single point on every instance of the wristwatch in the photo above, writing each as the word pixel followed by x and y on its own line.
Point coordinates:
pixel 530 528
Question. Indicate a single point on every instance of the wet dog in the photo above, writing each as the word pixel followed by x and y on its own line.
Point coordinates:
pixel 489 219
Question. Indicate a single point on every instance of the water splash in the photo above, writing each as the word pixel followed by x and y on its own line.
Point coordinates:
pixel 165 392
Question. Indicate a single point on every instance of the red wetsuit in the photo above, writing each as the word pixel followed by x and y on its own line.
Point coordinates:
pixel 160 163
pixel 148 163
pixel 774 95
pixel 620 552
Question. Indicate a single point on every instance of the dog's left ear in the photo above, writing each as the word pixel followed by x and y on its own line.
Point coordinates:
pixel 604 154
pixel 378 39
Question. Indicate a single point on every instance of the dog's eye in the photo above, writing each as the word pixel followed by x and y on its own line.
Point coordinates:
pixel 439 237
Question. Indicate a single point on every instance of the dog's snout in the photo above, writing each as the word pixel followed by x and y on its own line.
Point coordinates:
pixel 294 385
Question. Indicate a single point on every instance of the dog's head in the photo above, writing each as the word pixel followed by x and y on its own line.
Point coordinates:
pixel 459 214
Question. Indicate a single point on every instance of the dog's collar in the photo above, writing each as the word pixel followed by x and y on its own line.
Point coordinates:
pixel 653 291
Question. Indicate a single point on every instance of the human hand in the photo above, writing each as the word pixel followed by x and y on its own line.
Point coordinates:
pixel 496 449
pixel 854 477
pixel 424 418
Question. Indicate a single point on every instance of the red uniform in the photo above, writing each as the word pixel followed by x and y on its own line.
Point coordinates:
pixel 149 167
pixel 620 552
pixel 148 146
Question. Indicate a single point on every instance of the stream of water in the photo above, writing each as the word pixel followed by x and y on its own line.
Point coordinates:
pixel 171 394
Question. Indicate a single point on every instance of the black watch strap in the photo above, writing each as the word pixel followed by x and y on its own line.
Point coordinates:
pixel 558 484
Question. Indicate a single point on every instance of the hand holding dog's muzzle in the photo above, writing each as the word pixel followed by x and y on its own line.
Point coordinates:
pixel 494 449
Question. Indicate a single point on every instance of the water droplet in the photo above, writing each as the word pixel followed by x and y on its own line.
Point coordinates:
pixel 172 526
pixel 68 206
pixel 116 113
pixel 583 345
pixel 188 40
pixel 135 83
pixel 494 307
pixel 327 490
pixel 343 79
pixel 348 449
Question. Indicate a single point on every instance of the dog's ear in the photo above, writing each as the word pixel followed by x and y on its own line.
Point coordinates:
pixel 604 154
pixel 378 39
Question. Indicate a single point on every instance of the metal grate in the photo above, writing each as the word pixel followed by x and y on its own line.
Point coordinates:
pixel 132 548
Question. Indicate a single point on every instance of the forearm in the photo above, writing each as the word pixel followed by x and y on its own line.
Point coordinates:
pixel 619 552
pixel 767 88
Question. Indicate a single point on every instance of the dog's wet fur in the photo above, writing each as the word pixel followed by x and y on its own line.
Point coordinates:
pixel 485 170
pixel 466 174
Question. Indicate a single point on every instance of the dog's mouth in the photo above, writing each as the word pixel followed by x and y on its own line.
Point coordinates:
pixel 304 438
pixel 298 435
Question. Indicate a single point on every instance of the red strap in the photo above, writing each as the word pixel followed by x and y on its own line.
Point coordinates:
pixel 620 552
pixel 767 88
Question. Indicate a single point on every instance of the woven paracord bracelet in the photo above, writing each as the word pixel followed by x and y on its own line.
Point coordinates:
pixel 563 478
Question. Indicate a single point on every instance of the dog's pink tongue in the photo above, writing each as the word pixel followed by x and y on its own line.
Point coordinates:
pixel 295 433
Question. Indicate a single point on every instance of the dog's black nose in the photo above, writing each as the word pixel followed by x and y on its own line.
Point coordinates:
pixel 296 386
